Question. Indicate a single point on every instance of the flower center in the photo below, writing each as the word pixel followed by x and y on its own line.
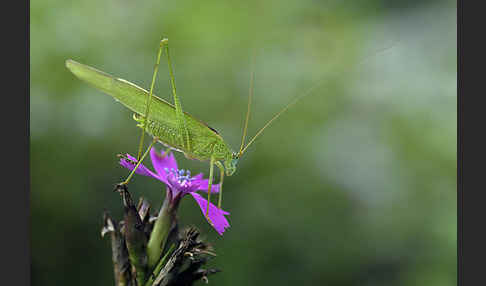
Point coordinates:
pixel 181 176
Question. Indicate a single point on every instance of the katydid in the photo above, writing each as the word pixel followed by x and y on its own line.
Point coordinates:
pixel 169 125
pixel 165 122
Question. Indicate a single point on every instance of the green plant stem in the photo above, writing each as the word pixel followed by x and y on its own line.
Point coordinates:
pixel 160 232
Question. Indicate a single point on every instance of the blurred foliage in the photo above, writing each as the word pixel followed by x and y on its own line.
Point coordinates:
pixel 355 185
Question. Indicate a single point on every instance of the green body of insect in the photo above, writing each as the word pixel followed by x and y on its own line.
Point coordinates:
pixel 168 124
pixel 162 123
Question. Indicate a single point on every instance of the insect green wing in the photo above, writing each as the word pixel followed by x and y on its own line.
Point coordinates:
pixel 161 112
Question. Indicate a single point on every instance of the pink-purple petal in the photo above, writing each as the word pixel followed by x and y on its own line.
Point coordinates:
pixel 216 215
pixel 204 184
pixel 198 176
pixel 141 170
pixel 160 161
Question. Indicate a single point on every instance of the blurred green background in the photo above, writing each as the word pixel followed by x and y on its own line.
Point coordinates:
pixel 354 185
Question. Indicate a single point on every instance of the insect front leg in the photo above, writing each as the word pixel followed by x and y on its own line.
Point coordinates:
pixel 221 177
pixel 210 184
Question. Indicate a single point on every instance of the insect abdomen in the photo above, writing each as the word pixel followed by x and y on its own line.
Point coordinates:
pixel 164 132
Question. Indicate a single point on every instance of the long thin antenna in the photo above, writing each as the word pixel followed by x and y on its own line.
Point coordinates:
pixel 280 113
pixel 299 98
pixel 250 95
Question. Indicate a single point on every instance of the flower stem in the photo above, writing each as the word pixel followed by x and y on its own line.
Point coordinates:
pixel 162 227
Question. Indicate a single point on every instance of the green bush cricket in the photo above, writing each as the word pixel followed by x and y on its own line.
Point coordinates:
pixel 169 125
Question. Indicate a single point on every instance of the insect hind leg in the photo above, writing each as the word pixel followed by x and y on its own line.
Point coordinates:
pixel 149 100
pixel 182 127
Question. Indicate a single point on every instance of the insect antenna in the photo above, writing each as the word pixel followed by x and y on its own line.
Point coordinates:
pixel 250 95
pixel 278 115
pixel 299 97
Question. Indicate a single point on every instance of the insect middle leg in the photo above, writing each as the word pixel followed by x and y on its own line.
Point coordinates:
pixel 139 162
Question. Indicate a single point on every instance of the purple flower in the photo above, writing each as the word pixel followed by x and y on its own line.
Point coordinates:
pixel 180 183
